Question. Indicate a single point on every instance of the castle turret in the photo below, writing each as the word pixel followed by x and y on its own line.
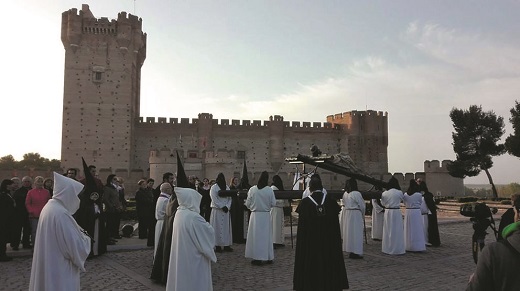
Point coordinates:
pixel 103 62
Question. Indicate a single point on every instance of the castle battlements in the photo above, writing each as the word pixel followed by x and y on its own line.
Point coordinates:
pixel 235 122
pixel 436 166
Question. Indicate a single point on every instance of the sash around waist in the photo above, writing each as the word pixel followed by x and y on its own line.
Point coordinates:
pixel 352 208
pixel 393 208
pixel 260 211
pixel 413 208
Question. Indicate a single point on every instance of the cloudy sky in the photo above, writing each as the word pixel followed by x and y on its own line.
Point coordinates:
pixel 304 60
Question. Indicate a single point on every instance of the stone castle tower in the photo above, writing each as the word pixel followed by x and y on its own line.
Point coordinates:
pixel 102 122
pixel 103 61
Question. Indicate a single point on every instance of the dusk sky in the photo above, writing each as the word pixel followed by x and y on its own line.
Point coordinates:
pixel 303 60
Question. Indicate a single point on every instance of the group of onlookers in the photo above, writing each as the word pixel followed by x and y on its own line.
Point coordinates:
pixel 21 206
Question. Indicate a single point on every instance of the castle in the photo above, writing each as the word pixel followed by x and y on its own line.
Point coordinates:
pixel 102 122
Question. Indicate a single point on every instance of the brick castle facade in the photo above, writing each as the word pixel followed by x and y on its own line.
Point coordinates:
pixel 102 122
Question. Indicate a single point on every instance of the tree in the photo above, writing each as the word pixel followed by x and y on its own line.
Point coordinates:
pixel 8 162
pixel 475 142
pixel 513 140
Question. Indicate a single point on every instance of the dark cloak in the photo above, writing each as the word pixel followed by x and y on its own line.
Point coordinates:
pixel 319 262
pixel 433 226
pixel 205 203
pixel 162 257
pixel 86 215
pixel 237 217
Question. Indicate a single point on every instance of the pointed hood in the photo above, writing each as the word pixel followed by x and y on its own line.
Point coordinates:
pixel 66 190
pixel 90 183
pixel 188 199
pixel 182 180
pixel 244 180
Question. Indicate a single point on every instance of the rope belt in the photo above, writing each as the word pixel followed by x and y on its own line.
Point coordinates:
pixel 413 208
pixel 393 208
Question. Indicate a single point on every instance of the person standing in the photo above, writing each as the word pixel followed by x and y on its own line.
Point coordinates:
pixel 34 202
pixel 277 215
pixel 259 243
pixel 72 173
pixel 22 226
pixel 151 231
pixel 237 212
pixel 7 205
pixel 144 208
pixel 413 221
pixel 63 246
pixel 432 229
pixel 166 178
pixel 498 264
pixel 160 212
pixel 113 207
pixel 192 245
pixel 318 262
pixel 219 218
pixel 354 208
pixel 393 228
pixel 205 202
pixel 378 218
pixel 90 215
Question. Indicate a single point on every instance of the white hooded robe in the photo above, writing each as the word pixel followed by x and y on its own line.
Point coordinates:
pixel 62 248
pixel 193 240
pixel 353 222
pixel 259 243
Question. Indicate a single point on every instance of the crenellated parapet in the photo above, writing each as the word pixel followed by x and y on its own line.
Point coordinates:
pixel 127 30
pixel 237 123
pixel 434 166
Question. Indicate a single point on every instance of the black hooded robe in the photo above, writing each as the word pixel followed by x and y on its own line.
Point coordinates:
pixel 433 226
pixel 86 218
pixel 319 262
pixel 162 257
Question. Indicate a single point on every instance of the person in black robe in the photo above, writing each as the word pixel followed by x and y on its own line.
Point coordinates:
pixel 237 213
pixel 162 256
pixel 433 227
pixel 7 206
pixel 90 210
pixel 205 203
pixel 319 262
pixel 508 217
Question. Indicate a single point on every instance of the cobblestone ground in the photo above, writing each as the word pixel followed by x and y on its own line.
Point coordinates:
pixel 444 268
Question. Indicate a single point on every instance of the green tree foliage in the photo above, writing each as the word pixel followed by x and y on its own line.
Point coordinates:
pixel 475 142
pixel 513 140
pixel 30 160
pixel 508 190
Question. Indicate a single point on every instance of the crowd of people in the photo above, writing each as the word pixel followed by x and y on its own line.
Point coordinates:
pixel 188 221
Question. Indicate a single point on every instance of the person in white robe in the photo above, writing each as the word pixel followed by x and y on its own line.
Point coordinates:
pixel 413 222
pixel 393 228
pixel 63 247
pixel 160 212
pixel 277 215
pixel 378 218
pixel 259 243
pixel 220 218
pixel 193 240
pixel 353 223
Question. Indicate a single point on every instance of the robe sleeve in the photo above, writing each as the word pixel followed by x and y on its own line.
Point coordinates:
pixel 361 203
pixel 203 236
pixel 273 199
pixel 249 199
pixel 72 243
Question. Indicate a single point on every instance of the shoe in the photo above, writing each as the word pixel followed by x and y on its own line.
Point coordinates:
pixel 228 249
pixel 354 256
pixel 111 242
pixel 5 259
pixel 256 262
pixel 376 239
pixel 428 244
pixel 218 249
pixel 276 246
pixel 270 262
pixel 118 237
pixel 27 247
pixel 15 248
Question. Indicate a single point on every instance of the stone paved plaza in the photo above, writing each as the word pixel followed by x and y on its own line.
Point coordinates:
pixel 127 267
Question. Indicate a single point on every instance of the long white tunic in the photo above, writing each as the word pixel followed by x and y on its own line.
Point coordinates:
pixel 160 213
pixel 354 212
pixel 193 240
pixel 259 244
pixel 413 223
pixel 378 217
pixel 277 219
pixel 61 248
pixel 393 229
pixel 220 220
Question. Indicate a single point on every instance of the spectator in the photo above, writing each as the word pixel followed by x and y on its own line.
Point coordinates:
pixel 6 217
pixel 22 226
pixel 34 202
